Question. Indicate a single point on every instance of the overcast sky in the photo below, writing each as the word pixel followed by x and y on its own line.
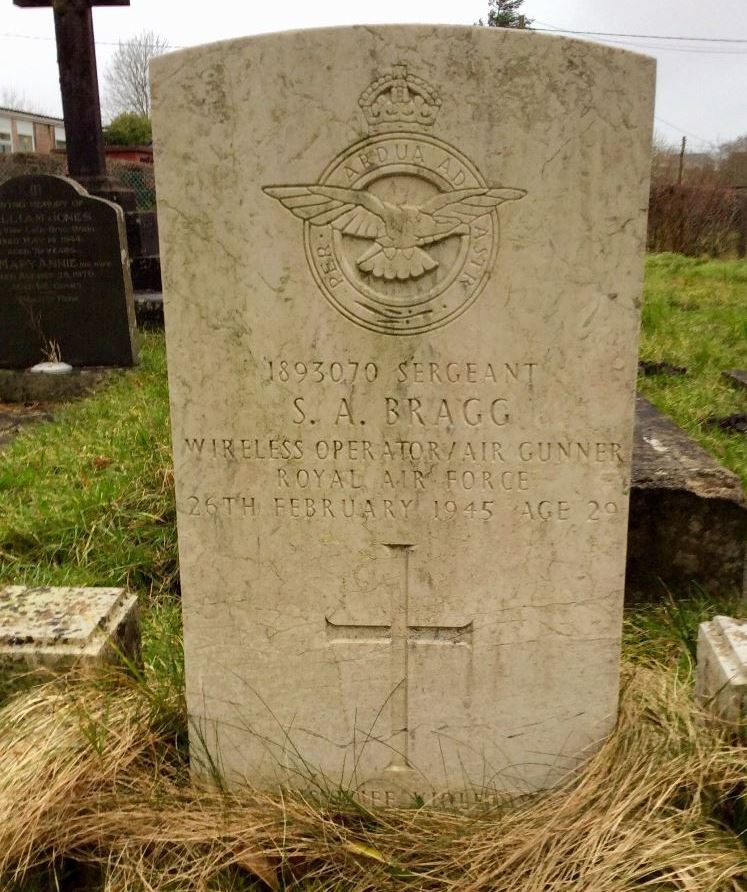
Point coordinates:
pixel 702 85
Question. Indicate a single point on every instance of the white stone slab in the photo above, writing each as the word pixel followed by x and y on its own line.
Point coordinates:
pixel 58 626
pixel 402 279
pixel 722 667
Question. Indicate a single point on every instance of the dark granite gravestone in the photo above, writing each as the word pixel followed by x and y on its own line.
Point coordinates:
pixel 65 289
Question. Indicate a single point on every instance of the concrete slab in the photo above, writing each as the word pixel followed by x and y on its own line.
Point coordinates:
pixel 722 668
pixel 23 386
pixel 736 377
pixel 688 514
pixel 57 627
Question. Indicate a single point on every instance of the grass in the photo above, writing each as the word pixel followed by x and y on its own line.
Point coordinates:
pixel 88 499
pixel 695 315
pixel 94 785
pixel 93 790
pixel 665 632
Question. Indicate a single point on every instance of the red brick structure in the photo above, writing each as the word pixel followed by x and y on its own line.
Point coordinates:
pixel 140 154
pixel 22 131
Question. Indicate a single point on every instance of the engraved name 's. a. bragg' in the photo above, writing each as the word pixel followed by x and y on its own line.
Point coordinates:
pixel 425 215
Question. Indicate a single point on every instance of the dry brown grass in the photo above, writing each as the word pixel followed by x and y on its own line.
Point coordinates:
pixel 88 773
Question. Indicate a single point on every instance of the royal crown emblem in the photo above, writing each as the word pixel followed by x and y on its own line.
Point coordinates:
pixel 401 231
pixel 399 99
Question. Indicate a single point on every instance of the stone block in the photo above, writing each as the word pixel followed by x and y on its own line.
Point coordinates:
pixel 149 309
pixel 721 685
pixel 146 273
pixel 402 434
pixel 58 627
pixel 142 233
pixel 23 386
pixel 145 263
pixel 736 377
pixel 688 514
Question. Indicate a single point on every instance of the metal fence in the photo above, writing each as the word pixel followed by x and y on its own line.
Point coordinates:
pixel 136 176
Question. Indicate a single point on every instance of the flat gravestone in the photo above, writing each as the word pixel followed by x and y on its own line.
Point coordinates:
pixel 65 285
pixel 736 377
pixel 688 514
pixel 402 298
pixel 721 683
pixel 59 626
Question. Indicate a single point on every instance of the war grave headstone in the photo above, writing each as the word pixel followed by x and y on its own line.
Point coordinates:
pixel 403 272
pixel 65 289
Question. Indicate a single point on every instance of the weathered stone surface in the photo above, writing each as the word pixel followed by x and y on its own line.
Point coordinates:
pixel 27 387
pixel 402 443
pixel 736 377
pixel 64 276
pixel 688 514
pixel 145 262
pixel 56 627
pixel 722 668
pixel 149 309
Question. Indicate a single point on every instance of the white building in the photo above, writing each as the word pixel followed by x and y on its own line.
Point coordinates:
pixel 22 131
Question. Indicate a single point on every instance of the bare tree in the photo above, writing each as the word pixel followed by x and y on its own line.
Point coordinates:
pixel 732 167
pixel 664 156
pixel 16 98
pixel 126 78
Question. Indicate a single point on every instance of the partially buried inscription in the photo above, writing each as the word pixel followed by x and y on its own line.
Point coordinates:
pixel 65 290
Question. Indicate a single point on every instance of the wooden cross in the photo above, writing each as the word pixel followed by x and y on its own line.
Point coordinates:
pixel 400 634
pixel 76 57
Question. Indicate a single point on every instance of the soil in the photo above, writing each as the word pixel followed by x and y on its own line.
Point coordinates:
pixel 13 416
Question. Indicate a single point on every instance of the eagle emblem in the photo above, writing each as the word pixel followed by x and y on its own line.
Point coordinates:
pixel 401 229
pixel 400 232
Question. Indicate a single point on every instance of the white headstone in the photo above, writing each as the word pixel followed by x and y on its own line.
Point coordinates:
pixel 402 285
pixel 721 685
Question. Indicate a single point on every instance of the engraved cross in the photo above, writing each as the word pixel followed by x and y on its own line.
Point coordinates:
pixel 400 634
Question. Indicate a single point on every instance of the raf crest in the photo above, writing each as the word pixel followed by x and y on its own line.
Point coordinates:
pixel 401 230
pixel 399 99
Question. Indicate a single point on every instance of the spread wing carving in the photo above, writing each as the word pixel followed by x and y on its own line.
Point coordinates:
pixel 353 211
pixel 398 231
pixel 450 210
